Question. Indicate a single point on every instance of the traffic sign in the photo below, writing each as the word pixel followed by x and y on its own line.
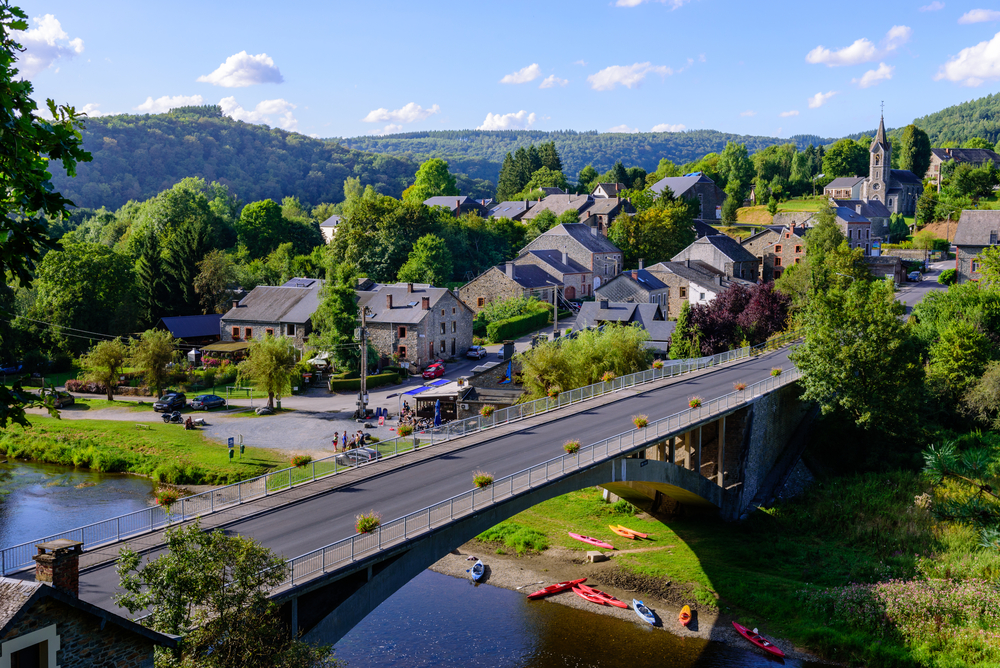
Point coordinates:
pixel 231 442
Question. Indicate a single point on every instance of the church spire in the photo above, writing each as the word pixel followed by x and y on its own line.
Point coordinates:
pixel 880 140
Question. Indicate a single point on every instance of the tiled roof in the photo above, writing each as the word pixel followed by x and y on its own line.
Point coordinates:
pixel 186 326
pixel 407 307
pixel 869 208
pixel 13 595
pixel 559 204
pixel 293 302
pixel 977 228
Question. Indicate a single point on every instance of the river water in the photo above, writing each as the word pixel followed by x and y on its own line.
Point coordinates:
pixel 434 620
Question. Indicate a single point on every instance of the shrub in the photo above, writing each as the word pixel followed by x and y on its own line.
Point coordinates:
pixel 367 522
pixel 658 364
pixel 694 402
pixel 405 430
pixel 571 447
pixel 487 410
pixel 776 371
pixel 640 421
pixel 739 386
pixel 514 327
pixel 553 393
pixel 482 479
pixel 301 460
pixel 167 496
pixel 607 376
pixel 948 277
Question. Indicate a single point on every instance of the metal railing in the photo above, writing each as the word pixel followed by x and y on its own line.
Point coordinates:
pixel 414 525
pixel 151 519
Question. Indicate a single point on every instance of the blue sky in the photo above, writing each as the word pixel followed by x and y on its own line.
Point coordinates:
pixel 346 68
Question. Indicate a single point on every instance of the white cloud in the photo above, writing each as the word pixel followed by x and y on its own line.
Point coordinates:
pixel 669 127
pixel 553 81
pixel 972 66
pixel 819 99
pixel 581 63
pixel 861 51
pixel 44 44
pixel 980 16
pixel 92 110
pixel 406 114
pixel 271 112
pixel 748 112
pixel 872 77
pixel 392 128
pixel 519 121
pixel 933 7
pixel 626 75
pixel 674 4
pixel 623 128
pixel 241 70
pixel 164 104
pixel 786 114
pixel 523 75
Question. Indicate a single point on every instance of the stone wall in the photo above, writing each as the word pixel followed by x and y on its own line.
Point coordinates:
pixel 260 329
pixel 448 311
pixel 965 258
pixel 492 285
pixel 82 641
pixel 908 253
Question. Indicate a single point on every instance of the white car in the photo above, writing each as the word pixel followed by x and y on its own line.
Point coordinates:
pixel 476 353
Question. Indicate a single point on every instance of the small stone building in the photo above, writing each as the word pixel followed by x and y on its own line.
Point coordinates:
pixel 278 310
pixel 724 253
pixel 651 317
pixel 635 286
pixel 416 322
pixel 44 623
pixel 698 187
pixel 855 227
pixel 586 246
pixel 885 265
pixel 507 281
pixel 977 230
pixel 977 157
pixel 691 281
pixel 777 249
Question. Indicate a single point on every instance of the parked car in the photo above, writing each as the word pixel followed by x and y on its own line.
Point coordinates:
pixel 206 401
pixel 358 456
pixel 169 402
pixel 476 353
pixel 434 371
pixel 915 276
pixel 64 399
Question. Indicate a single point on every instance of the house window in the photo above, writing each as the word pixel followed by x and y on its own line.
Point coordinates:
pixel 975 266
pixel 454 310
pixel 236 333
pixel 798 249
pixel 454 326
pixel 777 262
pixel 788 235
pixel 442 345
pixel 401 332
pixel 248 332
pixel 453 347
pixel 269 331
pixel 889 201
pixel 777 248
pixel 797 260
pixel 481 302
pixel 290 330
pixel 442 311
pixel 684 293
pixel 401 351
pixel 993 238
pixel 702 297
pixel 777 273
pixel 868 234
pixel 37 648
pixel 442 327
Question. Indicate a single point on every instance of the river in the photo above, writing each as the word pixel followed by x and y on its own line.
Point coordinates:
pixel 434 620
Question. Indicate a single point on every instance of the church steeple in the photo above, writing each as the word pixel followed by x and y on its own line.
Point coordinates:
pixel 877 184
pixel 880 141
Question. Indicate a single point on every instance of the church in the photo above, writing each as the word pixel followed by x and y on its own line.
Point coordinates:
pixel 897 189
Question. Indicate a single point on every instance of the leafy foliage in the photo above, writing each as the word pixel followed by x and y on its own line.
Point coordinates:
pixel 270 365
pixel 739 316
pixel 150 354
pixel 104 364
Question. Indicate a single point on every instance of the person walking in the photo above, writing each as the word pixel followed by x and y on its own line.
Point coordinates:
pixel 344 441
pixel 336 440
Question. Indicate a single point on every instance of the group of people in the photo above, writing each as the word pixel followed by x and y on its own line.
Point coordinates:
pixel 348 442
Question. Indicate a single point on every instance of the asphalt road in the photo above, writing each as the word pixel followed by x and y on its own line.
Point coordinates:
pixel 295 529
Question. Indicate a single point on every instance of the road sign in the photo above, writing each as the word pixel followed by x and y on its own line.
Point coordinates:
pixel 231 442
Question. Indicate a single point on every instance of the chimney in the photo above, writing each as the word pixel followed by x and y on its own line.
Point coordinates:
pixel 604 303
pixel 409 287
pixel 858 209
pixel 640 263
pixel 565 257
pixel 593 231
pixel 508 350
pixel 425 303
pixel 687 262
pixel 58 564
pixel 635 274
pixel 236 303
pixel 388 301
pixel 509 270
pixel 458 207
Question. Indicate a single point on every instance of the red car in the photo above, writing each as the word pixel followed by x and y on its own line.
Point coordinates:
pixel 434 371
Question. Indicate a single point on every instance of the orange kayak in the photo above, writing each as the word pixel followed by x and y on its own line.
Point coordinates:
pixel 634 533
pixel 685 616
pixel 598 596
pixel 622 532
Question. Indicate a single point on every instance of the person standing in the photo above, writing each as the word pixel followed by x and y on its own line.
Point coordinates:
pixel 336 440
pixel 344 442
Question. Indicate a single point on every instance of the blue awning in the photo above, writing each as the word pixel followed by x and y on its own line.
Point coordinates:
pixel 417 390
pixel 439 381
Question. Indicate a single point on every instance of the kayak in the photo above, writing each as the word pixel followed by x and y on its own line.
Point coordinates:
pixel 645 614
pixel 590 597
pixel 601 597
pixel 685 615
pixel 758 639
pixel 634 533
pixel 477 570
pixel 556 588
pixel 622 532
pixel 592 541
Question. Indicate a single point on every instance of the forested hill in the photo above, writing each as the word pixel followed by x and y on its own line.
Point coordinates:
pixel 961 122
pixel 479 153
pixel 137 157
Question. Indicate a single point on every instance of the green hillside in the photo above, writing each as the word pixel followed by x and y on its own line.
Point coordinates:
pixel 976 118
pixel 139 156
pixel 479 153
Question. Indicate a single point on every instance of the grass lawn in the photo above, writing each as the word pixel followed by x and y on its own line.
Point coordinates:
pixel 168 453
pixel 812 204
pixel 89 403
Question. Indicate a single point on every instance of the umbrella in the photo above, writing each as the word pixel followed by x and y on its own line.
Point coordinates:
pixel 437 413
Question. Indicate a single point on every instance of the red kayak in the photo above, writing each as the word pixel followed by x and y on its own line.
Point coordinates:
pixel 592 541
pixel 598 596
pixel 758 639
pixel 556 588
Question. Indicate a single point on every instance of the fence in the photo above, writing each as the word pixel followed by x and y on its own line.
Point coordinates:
pixel 422 521
pixel 150 519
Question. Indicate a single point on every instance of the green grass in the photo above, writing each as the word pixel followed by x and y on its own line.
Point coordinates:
pixel 518 537
pixel 87 403
pixel 862 528
pixel 165 452
pixel 812 204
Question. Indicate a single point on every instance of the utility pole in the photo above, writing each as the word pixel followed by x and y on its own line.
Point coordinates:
pixel 363 337
pixel 555 312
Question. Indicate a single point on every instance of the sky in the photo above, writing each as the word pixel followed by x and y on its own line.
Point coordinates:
pixel 343 69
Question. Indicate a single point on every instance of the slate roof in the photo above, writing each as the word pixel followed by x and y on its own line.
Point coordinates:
pixel 293 302
pixel 977 228
pixel 509 209
pixel 332 221
pixel 451 202
pixel 193 326
pixel 649 316
pixel 407 307
pixel 612 189
pixel 531 276
pixel 905 176
pixel 552 190
pixel 973 155
pixel 794 218
pixel 726 245
pixel 679 185
pixel 700 273
pixel 850 216
pixel 880 139
pixel 582 234
pixel 703 229
pixel 559 204
pixel 604 205
pixel 553 258
pixel 844 182
pixel 869 209
pixel 624 288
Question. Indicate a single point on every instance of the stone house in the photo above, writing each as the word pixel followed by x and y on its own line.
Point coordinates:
pixel 977 157
pixel 844 187
pixel 977 230
pixel 507 281
pixel 558 205
pixel 776 248
pixel 602 213
pixel 637 286
pixel 460 204
pixel 574 278
pixel 695 186
pixel 723 253
pixel 44 623
pixel 416 322
pixel 274 309
pixel 650 317
pixel 691 281
pixel 608 190
pixel 855 227
pixel 583 244
pixel 873 210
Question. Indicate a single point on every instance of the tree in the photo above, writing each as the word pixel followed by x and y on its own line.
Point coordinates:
pixel 214 282
pixel 972 470
pixel 261 227
pixel 336 318
pixel 185 249
pixel 550 157
pixel 914 151
pixel 898 229
pixel 269 365
pixel 429 262
pixel 213 589
pixel 989 265
pixel 978 142
pixel 685 340
pixel 586 178
pixel 958 358
pixel 543 222
pixel 507 183
pixel 974 182
pixel 655 234
pixel 153 299
pixel 568 217
pixel 846 158
pixel 104 364
pixel 433 179
pixel 982 401
pixel 150 354
pixel 736 171
pixel 732 204
pixel 859 357
pixel 739 316
pixel 546 178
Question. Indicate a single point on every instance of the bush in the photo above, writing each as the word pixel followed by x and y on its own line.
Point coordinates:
pixel 367 522
pixel 405 430
pixel 640 421
pixel 607 376
pixel 516 326
pixel 301 460
pixel 658 364
pixel 487 410
pixel 482 479
pixel 948 277
pixel 739 386
pixel 571 446
pixel 776 371
pixel 167 496
pixel 694 402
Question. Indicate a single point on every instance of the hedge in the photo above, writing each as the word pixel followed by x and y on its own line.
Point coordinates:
pixel 355 383
pixel 516 326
